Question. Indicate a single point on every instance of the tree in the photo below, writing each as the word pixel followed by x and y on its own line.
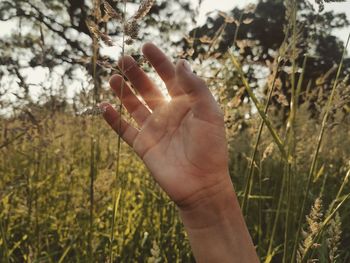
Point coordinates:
pixel 59 35
pixel 257 33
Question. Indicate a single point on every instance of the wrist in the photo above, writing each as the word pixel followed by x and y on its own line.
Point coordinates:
pixel 216 228
pixel 210 205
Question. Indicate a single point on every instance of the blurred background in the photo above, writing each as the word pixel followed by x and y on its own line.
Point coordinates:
pixel 71 192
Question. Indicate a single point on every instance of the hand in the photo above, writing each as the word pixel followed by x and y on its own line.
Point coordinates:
pixel 181 141
pixel 183 144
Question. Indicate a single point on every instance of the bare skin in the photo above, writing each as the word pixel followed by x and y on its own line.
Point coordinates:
pixel 183 144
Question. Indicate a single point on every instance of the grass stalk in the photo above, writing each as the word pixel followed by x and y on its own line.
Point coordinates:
pixel 237 27
pixel 260 209
pixel 341 188
pixel 116 197
pixel 36 203
pixel 249 177
pixel 259 107
pixel 94 70
pixel 291 132
pixel 318 146
pixel 95 53
pixel 270 251
pixel 300 81
pixel 92 176
pixel 288 207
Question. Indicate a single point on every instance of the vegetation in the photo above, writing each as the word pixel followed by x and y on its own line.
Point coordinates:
pixel 71 191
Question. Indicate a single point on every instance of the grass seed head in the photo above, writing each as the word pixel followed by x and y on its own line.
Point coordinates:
pixel 132 28
pixel 334 233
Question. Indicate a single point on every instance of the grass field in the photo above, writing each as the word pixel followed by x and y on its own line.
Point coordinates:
pixel 71 192
pixel 50 212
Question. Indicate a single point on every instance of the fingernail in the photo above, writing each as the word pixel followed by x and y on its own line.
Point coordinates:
pixel 187 66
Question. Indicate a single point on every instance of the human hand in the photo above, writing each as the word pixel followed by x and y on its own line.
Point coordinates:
pixel 181 141
pixel 183 144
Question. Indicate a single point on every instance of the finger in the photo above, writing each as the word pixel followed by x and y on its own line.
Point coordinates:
pixel 150 93
pixel 202 102
pixel 164 67
pixel 132 104
pixel 120 126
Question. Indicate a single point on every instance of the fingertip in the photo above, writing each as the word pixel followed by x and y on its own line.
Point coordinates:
pixel 108 112
pixel 125 61
pixel 115 80
pixel 103 106
pixel 148 47
pixel 182 66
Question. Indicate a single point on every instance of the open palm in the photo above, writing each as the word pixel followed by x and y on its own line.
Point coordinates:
pixel 181 141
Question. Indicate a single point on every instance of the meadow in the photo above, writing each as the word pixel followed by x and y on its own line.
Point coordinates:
pixel 72 191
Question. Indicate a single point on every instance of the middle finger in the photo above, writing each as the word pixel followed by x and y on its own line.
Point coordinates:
pixel 138 78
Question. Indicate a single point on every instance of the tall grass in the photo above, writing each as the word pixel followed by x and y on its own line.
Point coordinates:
pixel 71 192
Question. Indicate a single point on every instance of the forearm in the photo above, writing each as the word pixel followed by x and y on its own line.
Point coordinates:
pixel 217 230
